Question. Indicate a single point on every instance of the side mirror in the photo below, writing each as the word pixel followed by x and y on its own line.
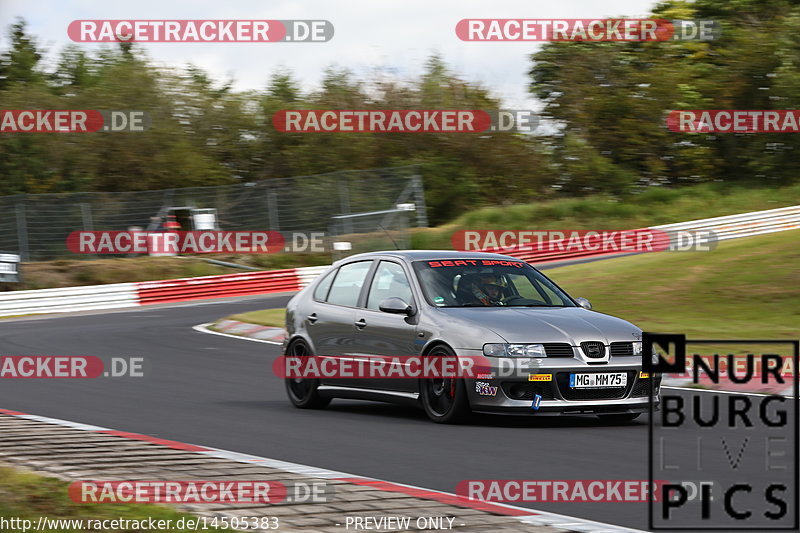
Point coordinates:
pixel 583 302
pixel 396 306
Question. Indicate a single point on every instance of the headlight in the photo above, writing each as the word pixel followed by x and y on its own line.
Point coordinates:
pixel 637 350
pixel 514 350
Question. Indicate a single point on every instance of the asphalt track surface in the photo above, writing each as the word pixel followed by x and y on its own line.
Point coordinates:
pixel 220 392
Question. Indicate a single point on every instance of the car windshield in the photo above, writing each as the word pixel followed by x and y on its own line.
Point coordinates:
pixel 487 283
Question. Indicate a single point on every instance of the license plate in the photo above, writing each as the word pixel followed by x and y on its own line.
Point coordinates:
pixel 598 381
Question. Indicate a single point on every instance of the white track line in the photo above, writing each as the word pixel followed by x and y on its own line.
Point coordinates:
pixel 203 328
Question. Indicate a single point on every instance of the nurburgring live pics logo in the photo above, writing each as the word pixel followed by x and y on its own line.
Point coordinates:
pixel 749 442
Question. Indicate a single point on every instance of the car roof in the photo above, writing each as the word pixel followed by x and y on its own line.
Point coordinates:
pixel 428 255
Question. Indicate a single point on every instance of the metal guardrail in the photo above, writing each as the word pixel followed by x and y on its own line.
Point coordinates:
pixel 743 225
pixel 121 295
pixel 725 227
pixel 90 297
pixel 244 284
pixel 309 274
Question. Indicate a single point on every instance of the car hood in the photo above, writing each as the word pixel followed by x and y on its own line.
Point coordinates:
pixel 538 325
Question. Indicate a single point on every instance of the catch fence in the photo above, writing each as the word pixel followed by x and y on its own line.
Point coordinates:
pixel 37 225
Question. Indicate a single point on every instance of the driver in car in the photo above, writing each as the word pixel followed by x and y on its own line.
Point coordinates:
pixel 488 289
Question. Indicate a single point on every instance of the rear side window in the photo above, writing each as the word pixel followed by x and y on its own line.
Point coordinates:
pixel 390 281
pixel 321 292
pixel 348 282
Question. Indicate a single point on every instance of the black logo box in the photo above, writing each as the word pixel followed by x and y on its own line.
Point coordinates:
pixel 677 366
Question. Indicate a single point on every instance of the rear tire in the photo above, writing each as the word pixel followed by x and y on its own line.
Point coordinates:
pixel 619 418
pixel 444 399
pixel 303 393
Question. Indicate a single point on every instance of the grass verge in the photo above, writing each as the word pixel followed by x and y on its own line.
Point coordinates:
pixel 28 496
pixel 264 317
pixel 746 288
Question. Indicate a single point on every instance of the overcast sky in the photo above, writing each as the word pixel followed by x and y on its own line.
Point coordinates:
pixel 394 37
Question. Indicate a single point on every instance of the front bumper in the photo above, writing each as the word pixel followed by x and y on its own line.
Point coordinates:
pixel 497 391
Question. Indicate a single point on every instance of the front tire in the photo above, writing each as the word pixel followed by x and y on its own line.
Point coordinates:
pixel 444 399
pixel 303 393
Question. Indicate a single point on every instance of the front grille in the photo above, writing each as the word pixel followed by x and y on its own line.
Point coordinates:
pixel 558 349
pixel 621 349
pixel 594 349
pixel 562 378
pixel 517 390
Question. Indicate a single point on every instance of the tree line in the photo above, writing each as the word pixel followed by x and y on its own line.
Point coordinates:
pixel 604 104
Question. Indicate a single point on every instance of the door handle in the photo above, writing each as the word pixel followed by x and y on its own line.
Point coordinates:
pixel 312 318
pixel 360 324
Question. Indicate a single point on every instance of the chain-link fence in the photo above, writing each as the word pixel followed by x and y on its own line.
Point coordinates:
pixel 37 225
pixel 373 230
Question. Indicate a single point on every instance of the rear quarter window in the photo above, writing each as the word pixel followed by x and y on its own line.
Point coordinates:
pixel 321 290
pixel 347 284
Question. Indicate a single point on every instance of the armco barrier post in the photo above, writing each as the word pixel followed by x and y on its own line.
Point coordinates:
pixel 86 216
pixel 419 199
pixel 344 201
pixel 22 231
pixel 272 210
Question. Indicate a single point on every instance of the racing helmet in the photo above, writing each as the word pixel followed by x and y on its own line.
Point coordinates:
pixel 489 288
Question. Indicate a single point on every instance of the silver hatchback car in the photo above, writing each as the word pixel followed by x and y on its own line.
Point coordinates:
pixel 545 352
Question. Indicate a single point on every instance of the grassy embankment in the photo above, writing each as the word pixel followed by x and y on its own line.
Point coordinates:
pixel 746 288
pixel 28 496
